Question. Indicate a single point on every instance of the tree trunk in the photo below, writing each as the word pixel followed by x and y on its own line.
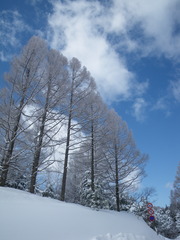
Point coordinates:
pixel 38 148
pixel 7 157
pixel 37 157
pixel 92 158
pixel 117 180
pixel 63 187
pixel 64 178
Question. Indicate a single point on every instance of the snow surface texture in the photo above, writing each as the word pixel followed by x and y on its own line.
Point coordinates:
pixel 24 216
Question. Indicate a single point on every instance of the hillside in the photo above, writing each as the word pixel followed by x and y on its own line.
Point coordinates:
pixel 24 216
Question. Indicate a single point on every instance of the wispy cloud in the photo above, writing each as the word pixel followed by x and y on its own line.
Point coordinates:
pixel 139 109
pixel 12 25
pixel 162 104
pixel 3 58
pixel 33 2
pixel 169 185
pixel 175 88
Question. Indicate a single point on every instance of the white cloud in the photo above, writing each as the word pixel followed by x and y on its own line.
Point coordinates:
pixel 139 108
pixel 100 36
pixel 79 29
pixel 157 21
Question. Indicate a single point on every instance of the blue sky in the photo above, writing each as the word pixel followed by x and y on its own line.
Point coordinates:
pixel 131 48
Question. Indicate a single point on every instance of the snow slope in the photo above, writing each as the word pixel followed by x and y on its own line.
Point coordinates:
pixel 24 216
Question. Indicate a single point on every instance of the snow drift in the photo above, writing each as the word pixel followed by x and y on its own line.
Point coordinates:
pixel 24 216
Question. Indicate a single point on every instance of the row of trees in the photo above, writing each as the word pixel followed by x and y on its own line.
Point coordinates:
pixel 50 103
pixel 58 137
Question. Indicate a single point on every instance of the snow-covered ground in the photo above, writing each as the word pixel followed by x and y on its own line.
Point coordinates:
pixel 24 216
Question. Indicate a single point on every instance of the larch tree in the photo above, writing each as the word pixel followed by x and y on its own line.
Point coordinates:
pixel 23 81
pixel 97 117
pixel 52 95
pixel 93 114
pixel 125 163
pixel 81 84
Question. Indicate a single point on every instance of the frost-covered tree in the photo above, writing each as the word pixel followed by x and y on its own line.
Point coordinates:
pixel 175 193
pixel 23 84
pixel 76 170
pixel 93 113
pixel 51 96
pixel 164 222
pixel 89 156
pixel 49 192
pixel 81 84
pixel 95 199
pixel 125 164
pixel 126 202
pixel 141 199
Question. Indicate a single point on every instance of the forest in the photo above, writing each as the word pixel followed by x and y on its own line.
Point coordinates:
pixel 59 139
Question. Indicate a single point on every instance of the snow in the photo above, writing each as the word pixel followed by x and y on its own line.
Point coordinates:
pixel 31 217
